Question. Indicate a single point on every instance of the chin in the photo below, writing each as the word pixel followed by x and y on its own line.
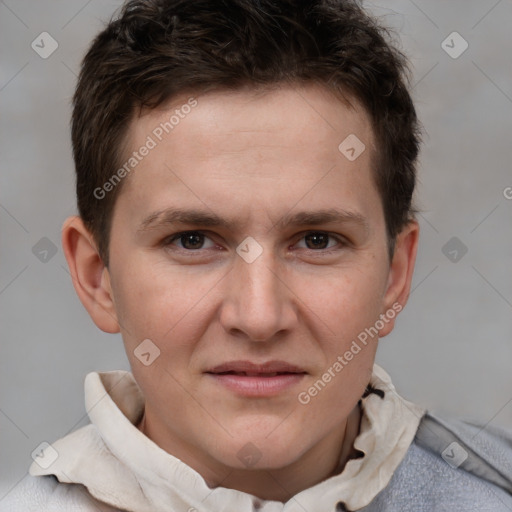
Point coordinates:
pixel 260 452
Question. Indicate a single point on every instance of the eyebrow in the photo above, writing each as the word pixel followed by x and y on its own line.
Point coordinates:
pixel 193 217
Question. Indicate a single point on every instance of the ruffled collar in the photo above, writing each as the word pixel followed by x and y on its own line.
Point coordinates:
pixel 122 467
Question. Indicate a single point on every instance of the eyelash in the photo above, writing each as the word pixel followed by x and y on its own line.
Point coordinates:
pixel 176 236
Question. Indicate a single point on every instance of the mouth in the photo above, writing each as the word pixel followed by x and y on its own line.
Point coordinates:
pixel 253 374
pixel 252 379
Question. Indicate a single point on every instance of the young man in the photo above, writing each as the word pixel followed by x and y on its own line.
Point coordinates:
pixel 245 172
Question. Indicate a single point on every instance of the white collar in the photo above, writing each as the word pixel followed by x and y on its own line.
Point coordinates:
pixel 122 467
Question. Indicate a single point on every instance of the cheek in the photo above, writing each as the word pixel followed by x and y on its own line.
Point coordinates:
pixel 167 305
pixel 343 302
pixel 344 312
pixel 161 301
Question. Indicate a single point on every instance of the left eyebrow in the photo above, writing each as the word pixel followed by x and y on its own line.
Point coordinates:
pixel 195 217
pixel 326 216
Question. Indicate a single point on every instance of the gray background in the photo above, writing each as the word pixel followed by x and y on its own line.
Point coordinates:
pixel 451 350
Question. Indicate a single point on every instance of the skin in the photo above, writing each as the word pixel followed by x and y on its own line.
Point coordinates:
pixel 252 158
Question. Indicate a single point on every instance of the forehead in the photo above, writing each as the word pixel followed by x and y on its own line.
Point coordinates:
pixel 268 147
pixel 284 113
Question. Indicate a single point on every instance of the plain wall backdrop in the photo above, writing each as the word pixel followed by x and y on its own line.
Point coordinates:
pixel 451 350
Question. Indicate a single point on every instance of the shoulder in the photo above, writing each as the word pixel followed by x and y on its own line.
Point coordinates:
pixel 47 494
pixel 452 465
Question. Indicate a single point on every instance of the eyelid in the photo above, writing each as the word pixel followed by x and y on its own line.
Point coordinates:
pixel 168 240
pixel 342 241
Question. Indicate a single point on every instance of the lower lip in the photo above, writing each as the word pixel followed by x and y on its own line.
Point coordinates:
pixel 258 386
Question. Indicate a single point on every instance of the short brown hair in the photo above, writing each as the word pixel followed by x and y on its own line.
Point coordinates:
pixel 157 49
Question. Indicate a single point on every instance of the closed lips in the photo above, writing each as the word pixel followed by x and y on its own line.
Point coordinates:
pixel 250 369
pixel 254 374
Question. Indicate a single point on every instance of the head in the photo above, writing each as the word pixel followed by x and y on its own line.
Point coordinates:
pixel 245 172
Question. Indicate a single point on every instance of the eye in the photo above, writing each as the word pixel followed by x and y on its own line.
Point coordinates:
pixel 189 240
pixel 320 240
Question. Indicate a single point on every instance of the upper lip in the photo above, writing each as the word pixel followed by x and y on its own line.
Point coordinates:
pixel 256 368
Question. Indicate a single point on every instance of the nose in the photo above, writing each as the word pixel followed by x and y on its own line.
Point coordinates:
pixel 259 304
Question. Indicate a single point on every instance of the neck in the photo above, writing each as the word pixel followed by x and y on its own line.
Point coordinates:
pixel 324 460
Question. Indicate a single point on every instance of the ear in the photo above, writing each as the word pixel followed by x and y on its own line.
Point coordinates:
pixel 400 275
pixel 91 278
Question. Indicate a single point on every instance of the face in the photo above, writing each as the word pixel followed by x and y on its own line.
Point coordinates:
pixel 251 251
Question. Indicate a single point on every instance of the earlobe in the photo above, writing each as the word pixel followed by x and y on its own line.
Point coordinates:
pixel 91 278
pixel 400 274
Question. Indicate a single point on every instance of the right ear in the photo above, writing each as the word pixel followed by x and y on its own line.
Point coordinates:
pixel 91 278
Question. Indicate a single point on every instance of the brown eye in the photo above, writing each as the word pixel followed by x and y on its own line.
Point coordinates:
pixel 319 240
pixel 190 240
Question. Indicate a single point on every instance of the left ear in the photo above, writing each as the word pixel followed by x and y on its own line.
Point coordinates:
pixel 400 275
